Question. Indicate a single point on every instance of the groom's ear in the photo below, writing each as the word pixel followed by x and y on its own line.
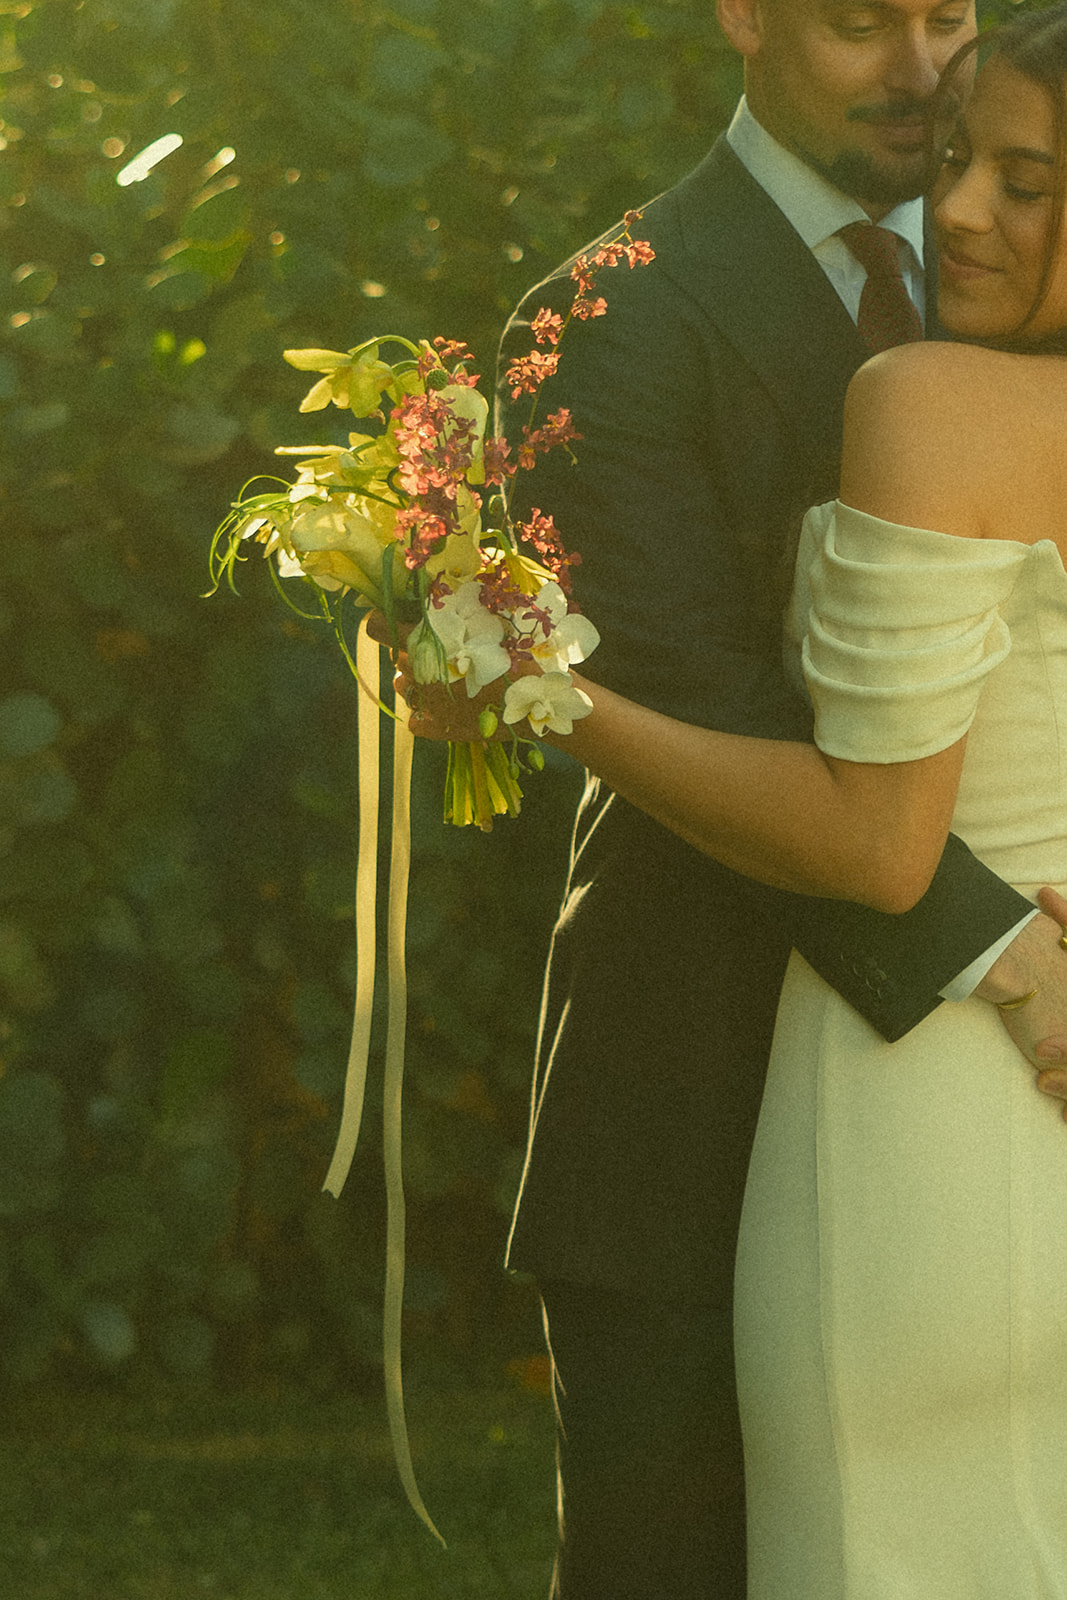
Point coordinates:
pixel 742 23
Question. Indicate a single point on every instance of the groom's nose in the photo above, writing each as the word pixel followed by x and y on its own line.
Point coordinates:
pixel 916 63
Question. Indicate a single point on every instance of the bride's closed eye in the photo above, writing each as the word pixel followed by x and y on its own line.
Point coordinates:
pixel 1015 192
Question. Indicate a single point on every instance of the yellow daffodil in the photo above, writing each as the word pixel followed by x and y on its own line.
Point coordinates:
pixel 339 547
pixel 350 383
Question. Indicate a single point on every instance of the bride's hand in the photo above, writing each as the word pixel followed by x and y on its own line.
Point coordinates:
pixel 378 628
pixel 437 710
pixel 445 710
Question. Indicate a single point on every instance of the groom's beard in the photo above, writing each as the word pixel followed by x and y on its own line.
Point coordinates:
pixel 884 180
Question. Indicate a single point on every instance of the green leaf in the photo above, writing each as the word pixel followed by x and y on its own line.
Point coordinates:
pixel 22 972
pixel 109 1330
pixel 115 929
pixel 112 1013
pixel 218 218
pixel 33 287
pixel 44 791
pixel 198 434
pixel 403 150
pixel 187 1345
pixel 403 63
pixel 194 1069
pixel 180 290
pixel 32 1143
pixel 28 723
pixel 48 865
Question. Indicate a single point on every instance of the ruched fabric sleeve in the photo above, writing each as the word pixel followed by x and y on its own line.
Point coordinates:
pixel 904 629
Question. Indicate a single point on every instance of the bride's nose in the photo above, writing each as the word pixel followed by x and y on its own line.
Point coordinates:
pixel 965 204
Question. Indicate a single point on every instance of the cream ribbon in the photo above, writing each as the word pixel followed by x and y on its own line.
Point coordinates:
pixel 368 672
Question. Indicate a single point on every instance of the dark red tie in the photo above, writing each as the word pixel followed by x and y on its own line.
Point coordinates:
pixel 887 314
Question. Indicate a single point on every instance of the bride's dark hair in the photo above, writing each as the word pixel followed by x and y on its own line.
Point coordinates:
pixel 1034 42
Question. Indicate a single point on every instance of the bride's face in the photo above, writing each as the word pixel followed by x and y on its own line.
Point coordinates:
pixel 993 209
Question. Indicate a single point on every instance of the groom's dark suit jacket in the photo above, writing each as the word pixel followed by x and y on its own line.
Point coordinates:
pixel 709 398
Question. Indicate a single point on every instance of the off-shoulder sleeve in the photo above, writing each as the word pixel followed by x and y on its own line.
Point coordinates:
pixel 903 631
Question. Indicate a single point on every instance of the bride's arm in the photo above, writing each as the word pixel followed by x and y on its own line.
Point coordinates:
pixel 784 814
pixel 787 814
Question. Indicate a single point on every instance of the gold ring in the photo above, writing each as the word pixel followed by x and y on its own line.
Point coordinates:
pixel 1063 939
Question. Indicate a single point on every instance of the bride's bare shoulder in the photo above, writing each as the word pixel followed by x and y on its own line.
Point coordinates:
pixel 935 432
pixel 921 373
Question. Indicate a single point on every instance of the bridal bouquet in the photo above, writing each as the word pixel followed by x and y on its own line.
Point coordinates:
pixel 410 517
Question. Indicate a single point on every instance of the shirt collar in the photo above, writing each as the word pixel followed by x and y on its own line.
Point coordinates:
pixel 814 207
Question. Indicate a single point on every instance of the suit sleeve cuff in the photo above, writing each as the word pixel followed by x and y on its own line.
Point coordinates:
pixel 967 981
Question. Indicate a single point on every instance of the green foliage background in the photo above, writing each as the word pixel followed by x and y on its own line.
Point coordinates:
pixel 177 813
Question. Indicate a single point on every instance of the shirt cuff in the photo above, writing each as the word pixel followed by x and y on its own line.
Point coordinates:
pixel 963 986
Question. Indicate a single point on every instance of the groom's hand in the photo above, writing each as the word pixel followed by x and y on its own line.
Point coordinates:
pixel 1036 959
pixel 1053 1049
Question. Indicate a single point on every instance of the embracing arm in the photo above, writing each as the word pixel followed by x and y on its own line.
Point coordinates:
pixel 890 967
pixel 871 833
pixel 788 816
pixel 782 813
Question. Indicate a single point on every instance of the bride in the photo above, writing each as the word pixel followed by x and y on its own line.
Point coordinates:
pixel 901 1310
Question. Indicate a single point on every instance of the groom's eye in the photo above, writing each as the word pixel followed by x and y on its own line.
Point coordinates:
pixel 950 22
pixel 856 22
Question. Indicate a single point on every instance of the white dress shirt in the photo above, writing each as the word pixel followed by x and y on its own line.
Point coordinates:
pixel 817 211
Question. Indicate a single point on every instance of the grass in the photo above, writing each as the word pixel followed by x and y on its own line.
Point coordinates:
pixel 108 1497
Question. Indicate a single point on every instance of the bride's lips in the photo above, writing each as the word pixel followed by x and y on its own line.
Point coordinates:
pixel 960 268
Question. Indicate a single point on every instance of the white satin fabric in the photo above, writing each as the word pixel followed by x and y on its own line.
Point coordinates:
pixel 902 1270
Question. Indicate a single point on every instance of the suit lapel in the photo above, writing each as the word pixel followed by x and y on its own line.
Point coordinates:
pixel 761 286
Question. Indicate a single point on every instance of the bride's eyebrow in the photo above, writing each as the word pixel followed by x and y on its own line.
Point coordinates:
pixel 1022 152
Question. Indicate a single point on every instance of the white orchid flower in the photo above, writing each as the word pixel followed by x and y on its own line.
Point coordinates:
pixel 471 637
pixel 270 532
pixel 572 637
pixel 288 565
pixel 550 703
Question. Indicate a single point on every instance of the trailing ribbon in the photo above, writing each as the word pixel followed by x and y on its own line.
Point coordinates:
pixel 369 675
pixel 367 664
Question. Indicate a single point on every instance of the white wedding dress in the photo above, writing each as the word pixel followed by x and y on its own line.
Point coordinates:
pixel 902 1270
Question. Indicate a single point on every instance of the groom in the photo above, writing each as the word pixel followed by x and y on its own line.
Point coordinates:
pixel 710 403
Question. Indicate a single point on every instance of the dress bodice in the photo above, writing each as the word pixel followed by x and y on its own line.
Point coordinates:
pixel 909 638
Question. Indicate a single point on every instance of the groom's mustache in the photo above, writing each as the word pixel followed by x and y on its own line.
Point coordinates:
pixel 895 111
